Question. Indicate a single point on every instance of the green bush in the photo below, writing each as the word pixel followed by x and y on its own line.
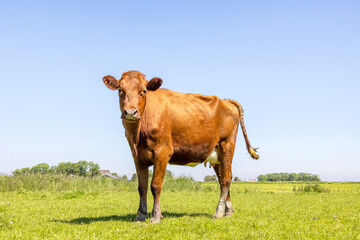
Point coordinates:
pixel 210 178
pixel 311 188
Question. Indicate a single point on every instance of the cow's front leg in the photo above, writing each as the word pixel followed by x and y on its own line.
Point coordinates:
pixel 156 187
pixel 143 175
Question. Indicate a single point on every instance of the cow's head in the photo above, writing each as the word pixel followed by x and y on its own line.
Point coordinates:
pixel 132 87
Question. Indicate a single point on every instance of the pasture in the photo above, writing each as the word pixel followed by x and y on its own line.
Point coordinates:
pixel 58 207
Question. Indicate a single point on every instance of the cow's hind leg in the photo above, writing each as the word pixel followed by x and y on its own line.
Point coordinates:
pixel 228 205
pixel 225 158
pixel 143 175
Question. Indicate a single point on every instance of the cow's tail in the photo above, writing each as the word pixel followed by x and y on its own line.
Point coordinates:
pixel 251 150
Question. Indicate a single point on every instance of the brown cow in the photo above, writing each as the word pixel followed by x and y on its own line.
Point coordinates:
pixel 163 126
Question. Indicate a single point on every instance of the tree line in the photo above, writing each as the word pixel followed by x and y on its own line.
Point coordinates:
pixel 91 169
pixel 81 168
pixel 275 177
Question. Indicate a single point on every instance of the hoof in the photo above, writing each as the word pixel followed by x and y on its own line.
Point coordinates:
pixel 228 214
pixel 220 210
pixel 228 209
pixel 155 220
pixel 216 216
pixel 140 217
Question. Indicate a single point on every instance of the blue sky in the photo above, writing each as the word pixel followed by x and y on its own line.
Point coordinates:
pixel 293 65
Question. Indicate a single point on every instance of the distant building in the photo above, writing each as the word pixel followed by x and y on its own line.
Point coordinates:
pixel 252 180
pixel 105 172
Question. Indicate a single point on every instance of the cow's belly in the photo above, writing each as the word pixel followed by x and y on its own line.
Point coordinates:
pixel 194 159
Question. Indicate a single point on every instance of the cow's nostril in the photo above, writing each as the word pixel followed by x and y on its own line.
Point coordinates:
pixel 130 113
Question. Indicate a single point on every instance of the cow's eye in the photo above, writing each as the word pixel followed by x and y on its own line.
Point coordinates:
pixel 121 93
pixel 142 93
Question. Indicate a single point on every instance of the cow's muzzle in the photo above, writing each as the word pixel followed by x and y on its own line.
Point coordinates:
pixel 131 115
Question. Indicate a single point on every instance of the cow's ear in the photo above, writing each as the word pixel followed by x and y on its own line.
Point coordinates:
pixel 154 84
pixel 111 82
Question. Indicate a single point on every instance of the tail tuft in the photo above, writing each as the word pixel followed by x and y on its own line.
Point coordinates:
pixel 253 153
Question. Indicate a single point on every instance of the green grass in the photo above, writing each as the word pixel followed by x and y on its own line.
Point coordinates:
pixel 78 208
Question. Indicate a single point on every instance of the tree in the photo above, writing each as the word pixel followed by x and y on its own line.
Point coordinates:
pixel 169 174
pixel 262 178
pixel 17 172
pixel 315 177
pixel 94 169
pixel 292 177
pixel 236 179
pixel 75 169
pixel 284 176
pixel 65 168
pixel 123 178
pixel 134 177
pixel 212 178
pixel 41 168
pixel 288 177
pixel 83 167
pixel 23 171
pixel 52 170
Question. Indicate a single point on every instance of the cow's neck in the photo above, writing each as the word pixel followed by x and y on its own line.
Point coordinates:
pixel 132 130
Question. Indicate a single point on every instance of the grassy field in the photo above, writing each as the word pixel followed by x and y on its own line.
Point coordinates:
pixel 56 207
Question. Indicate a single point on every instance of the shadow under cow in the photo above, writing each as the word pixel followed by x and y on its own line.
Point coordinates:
pixel 128 217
